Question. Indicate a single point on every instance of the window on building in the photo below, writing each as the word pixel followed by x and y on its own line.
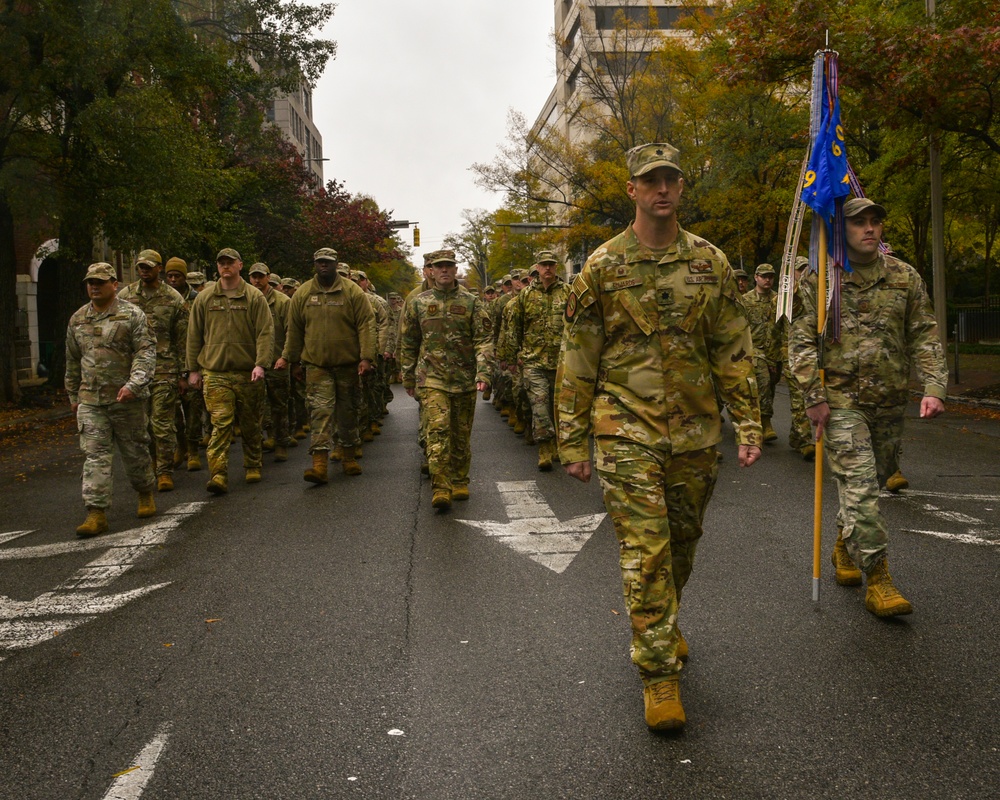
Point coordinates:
pixel 661 18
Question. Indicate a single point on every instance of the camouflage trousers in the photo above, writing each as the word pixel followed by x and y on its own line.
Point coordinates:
pixel 862 449
pixel 540 386
pixel 657 503
pixel 387 369
pixel 800 433
pixel 193 403
pixel 231 398
pixel 161 410
pixel 334 395
pixel 298 412
pixel 765 391
pixel 519 395
pixel 101 429
pixel 448 430
pixel 277 390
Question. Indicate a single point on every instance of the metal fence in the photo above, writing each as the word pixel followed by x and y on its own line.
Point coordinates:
pixel 981 323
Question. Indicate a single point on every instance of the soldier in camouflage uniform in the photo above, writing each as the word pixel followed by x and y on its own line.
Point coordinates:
pixel 444 353
pixel 887 324
pixel 110 362
pixel 167 314
pixel 331 331
pixel 761 305
pixel 425 284
pixel 537 328
pixel 800 433
pixel 175 274
pixel 373 383
pixel 653 325
pixel 196 420
pixel 742 280
pixel 231 340
pixel 276 381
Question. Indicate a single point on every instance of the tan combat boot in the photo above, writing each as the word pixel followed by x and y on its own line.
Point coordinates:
pixel 280 453
pixel 218 484
pixel 351 466
pixel 180 454
pixel 95 523
pixel 504 412
pixel 808 452
pixel 545 456
pixel 529 435
pixel 368 436
pixel 194 462
pixel 769 433
pixel 147 505
pixel 337 454
pixel 881 597
pixel 512 417
pixel 376 429
pixel 317 472
pixel 896 482
pixel 253 475
pixel 268 445
pixel 165 483
pixel 357 451
pixel 442 494
pixel 846 572
pixel 662 699
pixel 682 647
pixel 519 424
pixel 460 491
pixel 300 433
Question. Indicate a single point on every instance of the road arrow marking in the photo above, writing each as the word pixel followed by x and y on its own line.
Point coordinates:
pixel 11 535
pixel 964 538
pixel 534 529
pixel 25 623
pixel 978 530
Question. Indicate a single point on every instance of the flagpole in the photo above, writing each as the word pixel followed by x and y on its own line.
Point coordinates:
pixel 818 473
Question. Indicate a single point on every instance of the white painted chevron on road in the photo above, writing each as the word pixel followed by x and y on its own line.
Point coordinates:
pixel 534 530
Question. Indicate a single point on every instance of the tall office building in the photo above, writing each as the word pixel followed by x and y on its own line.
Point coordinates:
pixel 292 113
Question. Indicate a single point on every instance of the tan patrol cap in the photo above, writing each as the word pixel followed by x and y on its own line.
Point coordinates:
pixel 290 282
pixel 196 278
pixel 344 269
pixel 150 257
pixel 228 252
pixel 648 157
pixel 176 264
pixel 360 275
pixel 546 257
pixel 259 268
pixel 764 269
pixel 801 262
pixel 274 279
pixel 857 205
pixel 441 257
pixel 101 271
pixel 325 254
pixel 516 274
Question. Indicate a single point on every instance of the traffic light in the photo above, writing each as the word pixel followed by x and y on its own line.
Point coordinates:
pixel 416 237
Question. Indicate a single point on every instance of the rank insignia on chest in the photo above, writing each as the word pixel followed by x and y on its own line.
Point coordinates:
pixel 314 300
pixel 700 267
pixel 621 271
pixel 667 297
pixel 432 308
pixel 701 279
pixel 98 330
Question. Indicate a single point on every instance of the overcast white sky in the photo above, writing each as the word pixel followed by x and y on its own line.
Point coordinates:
pixel 419 91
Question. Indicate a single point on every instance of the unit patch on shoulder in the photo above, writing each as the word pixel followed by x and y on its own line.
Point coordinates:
pixel 700 266
pixel 701 279
pixel 571 307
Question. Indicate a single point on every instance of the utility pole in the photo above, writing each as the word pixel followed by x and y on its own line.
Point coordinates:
pixel 937 227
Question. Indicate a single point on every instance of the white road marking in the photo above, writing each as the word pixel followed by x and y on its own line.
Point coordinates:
pixel 74 602
pixel 129 784
pixel 534 529
pixel 964 538
pixel 11 535
pixel 946 495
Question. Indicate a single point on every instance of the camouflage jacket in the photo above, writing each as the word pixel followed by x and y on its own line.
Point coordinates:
pixel 167 314
pixel 647 343
pixel 279 304
pixel 537 324
pixel 106 351
pixel 445 341
pixel 506 348
pixel 765 332
pixel 496 317
pixel 384 331
pixel 887 324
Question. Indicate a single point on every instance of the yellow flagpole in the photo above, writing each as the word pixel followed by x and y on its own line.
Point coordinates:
pixel 818 475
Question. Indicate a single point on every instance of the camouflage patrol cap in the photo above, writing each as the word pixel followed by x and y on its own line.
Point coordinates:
pixel 101 271
pixel 801 262
pixel 741 273
pixel 196 278
pixel 546 257
pixel 259 268
pixel 274 279
pixel 516 274
pixel 228 252
pixel 533 272
pixel 508 278
pixel 359 274
pixel 857 205
pixel 176 264
pixel 647 157
pixel 442 257
pixel 395 296
pixel 290 282
pixel 150 257
pixel 325 254
pixel 427 259
pixel 764 269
